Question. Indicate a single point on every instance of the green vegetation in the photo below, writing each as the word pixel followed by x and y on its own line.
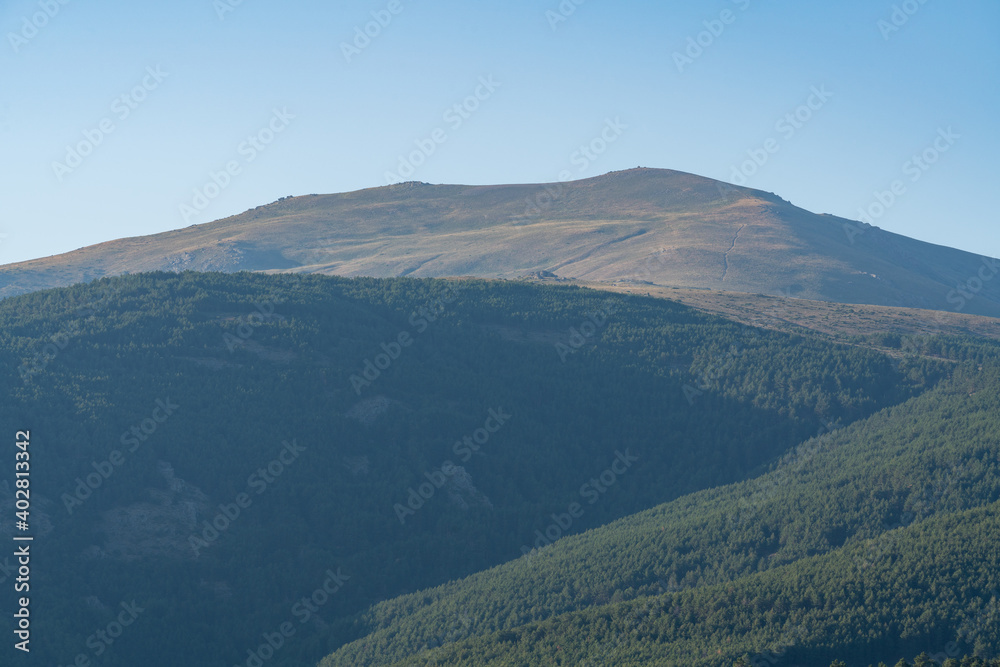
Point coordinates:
pixel 889 538
pixel 723 427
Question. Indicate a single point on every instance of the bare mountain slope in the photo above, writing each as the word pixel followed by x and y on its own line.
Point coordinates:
pixel 661 226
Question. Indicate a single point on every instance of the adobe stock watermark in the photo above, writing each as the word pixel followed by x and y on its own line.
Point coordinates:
pixel 262 313
pixel 588 153
pixel 454 116
pixel 645 271
pixel 464 448
pixel 591 491
pixel 697 44
pixel 711 373
pixel 258 482
pixel 585 332
pixel 7 570
pixel 562 13
pixel 976 631
pixel 460 628
pixel 133 438
pixel 900 16
pixel 31 26
pixel 303 611
pixel 582 159
pixel 248 150
pixel 363 36
pixel 967 291
pixel 914 168
pixel 61 340
pixel 121 108
pixel 58 342
pixel 469 444
pixel 638 621
pixel 787 126
pixel 223 7
pixel 766 487
pixel 915 508
pixel 420 319
pixel 103 638
pixel 916 343
pixel 775 655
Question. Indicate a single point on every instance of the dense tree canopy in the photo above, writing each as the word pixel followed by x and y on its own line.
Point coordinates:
pixel 212 446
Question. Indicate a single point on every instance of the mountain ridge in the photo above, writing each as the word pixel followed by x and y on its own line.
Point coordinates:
pixel 658 226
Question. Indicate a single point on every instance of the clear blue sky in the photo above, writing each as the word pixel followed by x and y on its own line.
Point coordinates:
pixel 892 92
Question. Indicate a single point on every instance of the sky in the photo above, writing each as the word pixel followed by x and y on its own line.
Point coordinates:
pixel 124 119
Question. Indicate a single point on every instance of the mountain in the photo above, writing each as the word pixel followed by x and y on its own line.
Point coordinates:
pixel 867 543
pixel 643 225
pixel 234 452
pixel 838 321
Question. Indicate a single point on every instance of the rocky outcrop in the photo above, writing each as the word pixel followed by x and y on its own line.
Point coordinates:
pixel 158 529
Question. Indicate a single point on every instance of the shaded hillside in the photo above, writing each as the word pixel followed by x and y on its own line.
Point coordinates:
pixel 155 401
pixel 869 543
pixel 659 226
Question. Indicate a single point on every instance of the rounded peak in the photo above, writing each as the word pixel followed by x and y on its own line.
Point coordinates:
pixel 408 184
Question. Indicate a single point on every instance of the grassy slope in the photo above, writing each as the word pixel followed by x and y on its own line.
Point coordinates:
pixel 667 227
pixel 838 321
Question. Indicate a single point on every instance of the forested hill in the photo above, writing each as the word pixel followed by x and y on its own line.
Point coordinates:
pixel 870 543
pixel 215 448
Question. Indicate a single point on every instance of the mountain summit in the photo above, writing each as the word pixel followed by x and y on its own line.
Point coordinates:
pixel 645 225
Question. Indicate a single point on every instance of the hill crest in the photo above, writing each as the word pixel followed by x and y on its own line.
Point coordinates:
pixel 658 226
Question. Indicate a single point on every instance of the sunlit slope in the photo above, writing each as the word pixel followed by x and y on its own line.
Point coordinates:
pixel 661 226
pixel 875 538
